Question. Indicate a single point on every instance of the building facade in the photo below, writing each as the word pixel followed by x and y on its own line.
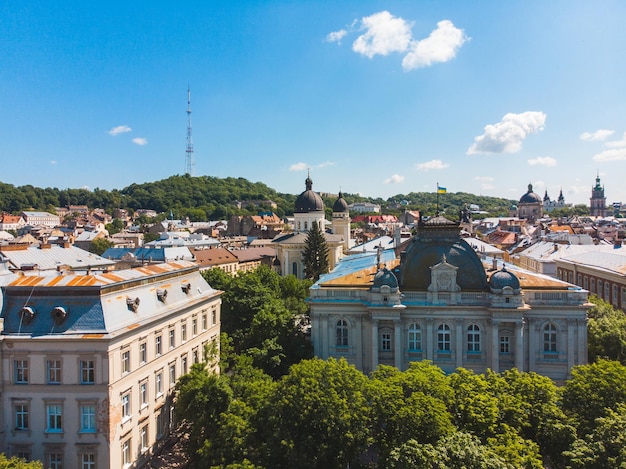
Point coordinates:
pixel 434 299
pixel 89 362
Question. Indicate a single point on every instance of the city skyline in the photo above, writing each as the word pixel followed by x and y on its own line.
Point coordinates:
pixel 376 98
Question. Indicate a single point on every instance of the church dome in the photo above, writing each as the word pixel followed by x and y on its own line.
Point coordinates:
pixel 530 197
pixel 309 200
pixel 437 239
pixel 385 277
pixel 503 278
pixel 340 205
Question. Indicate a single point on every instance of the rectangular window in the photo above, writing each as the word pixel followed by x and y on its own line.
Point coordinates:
pixel 196 355
pixel 55 461
pixel 54 418
pixel 53 368
pixel 385 341
pixel 158 347
pixel 21 371
pixel 158 383
pixel 87 372
pixel 126 405
pixel 160 422
pixel 183 364
pixel 143 392
pixel 183 332
pixel 126 456
pixel 143 435
pixel 194 326
pixel 172 374
pixel 88 461
pixel 213 317
pixel 88 418
pixel 126 361
pixel 143 353
pixel 505 344
pixel 204 322
pixel 172 338
pixel 21 417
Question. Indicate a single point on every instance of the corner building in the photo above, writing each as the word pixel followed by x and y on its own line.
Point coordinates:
pixel 89 362
pixel 434 299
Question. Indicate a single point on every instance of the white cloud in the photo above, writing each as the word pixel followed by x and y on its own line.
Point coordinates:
pixel 483 178
pixel 140 141
pixel 120 129
pixel 542 161
pixel 384 33
pixel 336 36
pixel 596 136
pixel 298 167
pixel 432 164
pixel 441 46
pixel 617 143
pixel 508 135
pixel 53 162
pixel 395 179
pixel 616 154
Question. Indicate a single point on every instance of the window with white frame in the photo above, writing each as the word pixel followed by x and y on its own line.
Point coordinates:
pixel 55 460
pixel 505 344
pixel 22 416
pixel 143 392
pixel 54 418
pixel 143 353
pixel 126 410
pixel 126 361
pixel 88 417
pixel 549 338
pixel 158 383
pixel 443 338
pixel 183 364
pixel 172 374
pixel 194 326
pixel 204 321
pixel 172 338
pixel 183 332
pixel 53 371
pixel 158 346
pixel 415 337
pixel 143 438
pixel 196 355
pixel 473 338
pixel 88 461
pixel 126 453
pixel 87 372
pixel 21 371
pixel 384 340
pixel 342 333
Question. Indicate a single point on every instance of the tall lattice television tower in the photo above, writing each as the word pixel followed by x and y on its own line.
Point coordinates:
pixel 189 163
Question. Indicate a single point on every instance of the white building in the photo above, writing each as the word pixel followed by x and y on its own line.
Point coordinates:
pixel 88 363
pixel 434 299
pixel 41 218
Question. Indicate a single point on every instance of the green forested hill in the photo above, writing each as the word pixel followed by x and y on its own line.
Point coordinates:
pixel 210 198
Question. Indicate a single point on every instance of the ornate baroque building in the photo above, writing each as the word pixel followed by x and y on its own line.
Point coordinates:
pixel 530 206
pixel 597 202
pixel 435 299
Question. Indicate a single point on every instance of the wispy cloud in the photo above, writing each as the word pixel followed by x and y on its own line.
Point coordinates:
pixel 483 178
pixel 616 154
pixel 53 162
pixel 298 167
pixel 542 161
pixel 432 164
pixel 140 141
pixel 383 34
pixel 597 136
pixel 120 129
pixel 617 143
pixel 395 179
pixel 508 135
pixel 326 163
pixel 336 36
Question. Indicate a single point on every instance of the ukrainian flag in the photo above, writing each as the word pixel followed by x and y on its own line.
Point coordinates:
pixel 441 190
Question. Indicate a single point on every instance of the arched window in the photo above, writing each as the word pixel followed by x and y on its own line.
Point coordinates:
pixel 443 338
pixel 549 338
pixel 294 269
pixel 473 338
pixel 415 337
pixel 342 333
pixel 599 288
pixel 306 225
pixel 593 286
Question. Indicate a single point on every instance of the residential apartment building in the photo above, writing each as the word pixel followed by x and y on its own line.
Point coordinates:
pixel 89 362
pixel 41 218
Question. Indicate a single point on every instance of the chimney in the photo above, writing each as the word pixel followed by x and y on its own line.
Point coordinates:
pixel 45 246
pixel 495 264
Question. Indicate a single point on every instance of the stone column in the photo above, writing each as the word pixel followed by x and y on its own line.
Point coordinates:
pixel 358 343
pixel 458 346
pixel 533 333
pixel 324 333
pixel 374 343
pixel 495 351
pixel 397 352
pixel 519 345
pixel 582 342
pixel 571 350
pixel 430 339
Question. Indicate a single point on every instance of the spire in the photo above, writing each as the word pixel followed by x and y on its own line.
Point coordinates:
pixel 189 163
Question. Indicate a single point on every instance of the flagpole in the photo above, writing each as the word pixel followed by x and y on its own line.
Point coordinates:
pixel 437 210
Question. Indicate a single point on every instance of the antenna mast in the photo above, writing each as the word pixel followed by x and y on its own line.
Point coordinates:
pixel 189 163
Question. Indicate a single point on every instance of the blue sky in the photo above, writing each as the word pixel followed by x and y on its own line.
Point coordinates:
pixel 373 97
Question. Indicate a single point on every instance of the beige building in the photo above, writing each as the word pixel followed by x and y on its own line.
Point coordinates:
pixel 434 299
pixel 89 362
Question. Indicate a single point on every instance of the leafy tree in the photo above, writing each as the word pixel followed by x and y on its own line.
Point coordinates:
pixel 606 332
pixel 315 254
pixel 317 418
pixel 592 391
pixel 115 226
pixel 17 463
pixel 99 245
